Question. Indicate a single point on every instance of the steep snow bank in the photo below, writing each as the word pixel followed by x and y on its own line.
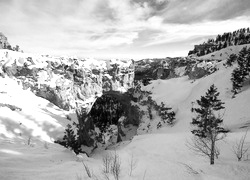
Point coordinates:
pixel 36 119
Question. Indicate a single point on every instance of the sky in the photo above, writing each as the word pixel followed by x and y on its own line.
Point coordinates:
pixel 118 28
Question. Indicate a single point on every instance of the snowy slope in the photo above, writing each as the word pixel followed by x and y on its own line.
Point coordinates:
pixel 165 153
pixel 179 93
pixel 37 118
pixel 224 53
pixel 160 155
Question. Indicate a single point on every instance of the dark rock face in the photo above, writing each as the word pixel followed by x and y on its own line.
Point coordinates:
pixel 152 69
pixel 197 73
pixel 131 112
pixel 200 69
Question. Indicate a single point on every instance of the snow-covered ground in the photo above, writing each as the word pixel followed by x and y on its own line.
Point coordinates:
pixel 225 52
pixel 26 136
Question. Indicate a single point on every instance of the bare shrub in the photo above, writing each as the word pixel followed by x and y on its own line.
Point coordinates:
pixel 132 164
pixel 203 147
pixel 106 162
pixel 239 148
pixel 111 165
pixel 116 166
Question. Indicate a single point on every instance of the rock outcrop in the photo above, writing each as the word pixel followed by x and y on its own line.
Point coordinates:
pixel 4 44
pixel 69 83
pixel 167 68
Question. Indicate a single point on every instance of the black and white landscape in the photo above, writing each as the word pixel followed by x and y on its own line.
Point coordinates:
pixel 124 89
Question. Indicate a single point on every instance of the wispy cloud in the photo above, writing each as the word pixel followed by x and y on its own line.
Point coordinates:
pixel 106 28
pixel 193 11
pixel 181 32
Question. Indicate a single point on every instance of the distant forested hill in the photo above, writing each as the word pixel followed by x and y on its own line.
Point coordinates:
pixel 238 37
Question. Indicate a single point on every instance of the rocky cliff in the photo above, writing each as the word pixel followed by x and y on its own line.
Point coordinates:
pixel 69 83
pixel 166 68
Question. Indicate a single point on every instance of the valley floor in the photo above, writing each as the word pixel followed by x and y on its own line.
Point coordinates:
pixel 157 156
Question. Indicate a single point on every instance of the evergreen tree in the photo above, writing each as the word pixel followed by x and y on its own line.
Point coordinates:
pixel 166 114
pixel 236 41
pixel 237 80
pixel 240 74
pixel 202 52
pixel 232 58
pixel 218 38
pixel 69 136
pixel 207 124
pixel 224 45
pixel 208 104
pixel 242 60
pixel 248 61
pixel 219 46
pixel 70 140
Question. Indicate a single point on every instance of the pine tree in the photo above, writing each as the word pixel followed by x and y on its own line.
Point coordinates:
pixel 219 46
pixel 208 51
pixel 248 61
pixel 207 123
pixel 218 38
pixel 242 57
pixel 166 113
pixel 232 58
pixel 225 44
pixel 237 80
pixel 70 139
pixel 236 41
pixel 240 74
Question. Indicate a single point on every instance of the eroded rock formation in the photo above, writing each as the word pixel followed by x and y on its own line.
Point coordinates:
pixel 69 83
